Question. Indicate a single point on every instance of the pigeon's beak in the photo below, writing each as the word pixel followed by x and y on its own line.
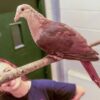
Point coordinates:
pixel 16 18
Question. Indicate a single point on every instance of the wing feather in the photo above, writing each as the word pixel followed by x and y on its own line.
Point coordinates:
pixel 61 40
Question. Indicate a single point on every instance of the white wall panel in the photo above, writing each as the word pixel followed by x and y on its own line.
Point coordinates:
pixel 83 19
pixel 83 16
pixel 80 4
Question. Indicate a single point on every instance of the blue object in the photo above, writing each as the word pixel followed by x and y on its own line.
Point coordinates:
pixel 46 90
pixel 51 90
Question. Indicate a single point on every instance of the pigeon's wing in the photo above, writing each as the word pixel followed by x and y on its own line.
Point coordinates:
pixel 61 40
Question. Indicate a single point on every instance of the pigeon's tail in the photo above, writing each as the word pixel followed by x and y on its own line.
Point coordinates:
pixel 91 71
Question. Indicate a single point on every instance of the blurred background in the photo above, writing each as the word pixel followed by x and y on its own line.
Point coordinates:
pixel 17 46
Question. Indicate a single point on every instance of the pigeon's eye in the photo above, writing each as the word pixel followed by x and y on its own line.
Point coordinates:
pixel 22 9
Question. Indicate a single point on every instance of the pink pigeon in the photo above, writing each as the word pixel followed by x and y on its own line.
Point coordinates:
pixel 58 39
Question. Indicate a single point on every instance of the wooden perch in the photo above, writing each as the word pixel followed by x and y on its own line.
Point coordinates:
pixel 95 43
pixel 20 71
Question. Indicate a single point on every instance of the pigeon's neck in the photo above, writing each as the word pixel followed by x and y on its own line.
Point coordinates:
pixel 34 22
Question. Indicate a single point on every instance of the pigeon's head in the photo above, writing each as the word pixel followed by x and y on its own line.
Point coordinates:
pixel 22 11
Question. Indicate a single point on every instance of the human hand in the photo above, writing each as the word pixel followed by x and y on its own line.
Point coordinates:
pixel 11 85
pixel 6 66
pixel 79 93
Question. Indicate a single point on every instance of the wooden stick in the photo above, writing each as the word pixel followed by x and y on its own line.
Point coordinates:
pixel 20 71
pixel 95 43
